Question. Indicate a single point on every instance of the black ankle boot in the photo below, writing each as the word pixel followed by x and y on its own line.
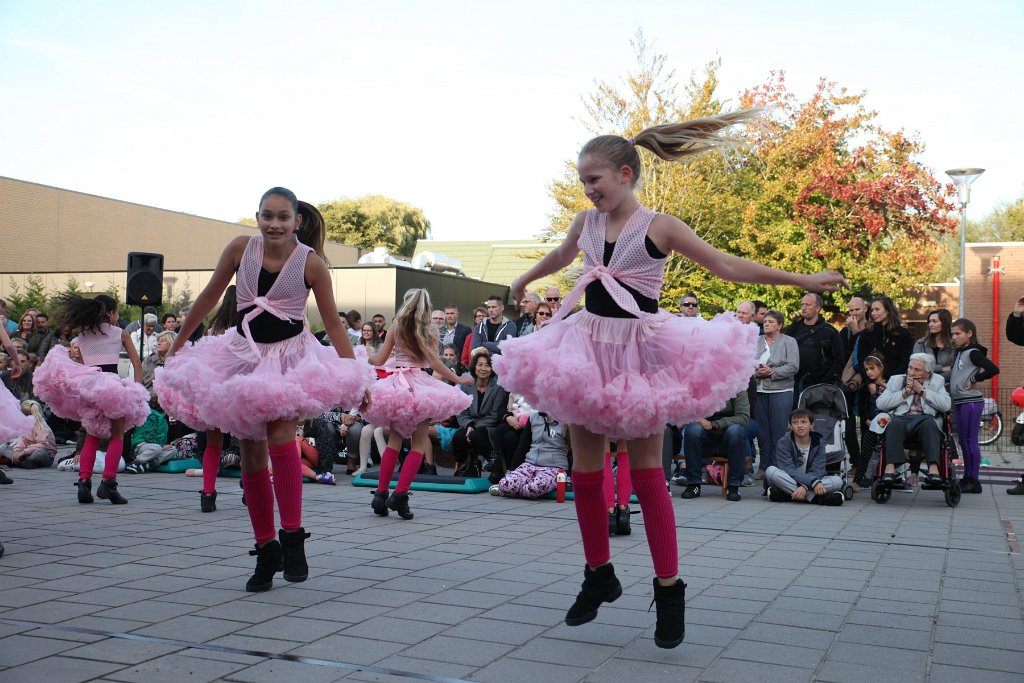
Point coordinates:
pixel 671 604
pixel 379 503
pixel 268 563
pixel 622 517
pixel 399 502
pixel 599 585
pixel 293 551
pixel 84 487
pixel 107 490
pixel 207 501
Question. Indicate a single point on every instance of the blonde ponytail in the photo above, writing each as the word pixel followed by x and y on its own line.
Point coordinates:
pixel 413 328
pixel 670 141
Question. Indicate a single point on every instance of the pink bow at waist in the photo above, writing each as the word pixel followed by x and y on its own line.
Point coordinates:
pixel 614 288
pixel 263 305
pixel 403 374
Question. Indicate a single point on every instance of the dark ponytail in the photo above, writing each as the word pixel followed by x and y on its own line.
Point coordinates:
pixel 84 314
pixel 312 230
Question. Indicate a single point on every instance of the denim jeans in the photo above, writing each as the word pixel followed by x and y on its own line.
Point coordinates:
pixel 702 443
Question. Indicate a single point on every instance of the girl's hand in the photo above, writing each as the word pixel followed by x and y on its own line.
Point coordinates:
pixel 16 368
pixel 366 401
pixel 826 281
pixel 518 291
pixel 465 379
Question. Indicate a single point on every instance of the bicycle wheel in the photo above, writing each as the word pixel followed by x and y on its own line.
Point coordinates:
pixel 990 429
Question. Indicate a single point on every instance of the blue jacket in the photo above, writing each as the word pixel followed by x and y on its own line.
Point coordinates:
pixel 787 456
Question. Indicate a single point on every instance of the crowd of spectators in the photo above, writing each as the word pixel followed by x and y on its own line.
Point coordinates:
pixel 499 434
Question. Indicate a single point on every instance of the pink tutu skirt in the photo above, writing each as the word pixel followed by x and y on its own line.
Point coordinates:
pixel 410 396
pixel 87 394
pixel 13 423
pixel 220 383
pixel 629 377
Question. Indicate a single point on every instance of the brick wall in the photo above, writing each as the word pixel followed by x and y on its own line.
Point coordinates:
pixel 979 303
pixel 71 232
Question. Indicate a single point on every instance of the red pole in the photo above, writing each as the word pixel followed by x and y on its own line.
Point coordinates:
pixel 995 323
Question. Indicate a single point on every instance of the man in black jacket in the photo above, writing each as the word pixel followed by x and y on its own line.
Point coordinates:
pixel 454 333
pixel 495 328
pixel 821 349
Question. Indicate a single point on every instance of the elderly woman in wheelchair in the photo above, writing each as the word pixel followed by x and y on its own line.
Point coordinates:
pixel 917 402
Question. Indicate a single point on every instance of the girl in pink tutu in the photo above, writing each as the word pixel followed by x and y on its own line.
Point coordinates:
pixel 624 368
pixel 13 423
pixel 91 391
pixel 408 400
pixel 257 379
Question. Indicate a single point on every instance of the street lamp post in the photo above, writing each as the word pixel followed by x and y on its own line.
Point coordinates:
pixel 963 177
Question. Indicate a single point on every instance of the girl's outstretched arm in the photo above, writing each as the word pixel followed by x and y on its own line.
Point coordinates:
pixel 670 233
pixel 8 345
pixel 133 355
pixel 319 279
pixel 227 265
pixel 555 260
pixel 384 353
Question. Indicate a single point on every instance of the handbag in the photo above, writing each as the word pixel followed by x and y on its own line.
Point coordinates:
pixel 851 379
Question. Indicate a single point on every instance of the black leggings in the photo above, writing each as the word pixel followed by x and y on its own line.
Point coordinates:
pixel 480 444
pixel 507 440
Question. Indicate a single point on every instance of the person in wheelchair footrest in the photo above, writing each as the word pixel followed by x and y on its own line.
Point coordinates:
pixel 916 401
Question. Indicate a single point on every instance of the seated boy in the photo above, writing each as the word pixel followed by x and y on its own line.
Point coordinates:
pixel 799 470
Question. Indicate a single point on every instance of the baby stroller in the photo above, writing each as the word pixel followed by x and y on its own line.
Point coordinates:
pixel 828 406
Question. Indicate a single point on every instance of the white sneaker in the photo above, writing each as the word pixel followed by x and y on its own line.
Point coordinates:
pixel 494 490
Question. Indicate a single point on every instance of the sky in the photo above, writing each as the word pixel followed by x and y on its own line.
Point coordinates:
pixel 468 110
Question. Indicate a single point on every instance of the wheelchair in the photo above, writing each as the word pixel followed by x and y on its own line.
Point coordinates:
pixel 881 490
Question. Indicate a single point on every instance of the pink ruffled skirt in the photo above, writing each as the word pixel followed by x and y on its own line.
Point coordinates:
pixel 410 396
pixel 13 423
pixel 87 394
pixel 220 383
pixel 629 377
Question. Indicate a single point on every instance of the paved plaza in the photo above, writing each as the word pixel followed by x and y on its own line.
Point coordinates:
pixel 475 588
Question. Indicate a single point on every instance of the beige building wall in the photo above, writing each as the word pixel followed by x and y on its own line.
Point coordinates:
pixel 73 232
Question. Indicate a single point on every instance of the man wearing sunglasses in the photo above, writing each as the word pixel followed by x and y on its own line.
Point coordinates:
pixel 688 305
pixel 553 297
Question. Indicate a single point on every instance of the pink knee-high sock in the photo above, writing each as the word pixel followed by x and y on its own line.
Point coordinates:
pixel 113 458
pixel 285 461
pixel 211 465
pixel 659 520
pixel 87 458
pixel 592 515
pixel 609 481
pixel 624 482
pixel 388 460
pixel 410 468
pixel 259 500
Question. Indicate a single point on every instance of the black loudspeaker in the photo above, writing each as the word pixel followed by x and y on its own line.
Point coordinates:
pixel 145 279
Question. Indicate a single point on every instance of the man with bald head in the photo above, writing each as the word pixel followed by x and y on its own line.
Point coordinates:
pixel 745 312
pixel 856 321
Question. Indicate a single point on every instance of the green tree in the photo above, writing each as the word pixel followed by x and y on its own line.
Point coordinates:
pixel 817 185
pixel 375 221
pixel 34 297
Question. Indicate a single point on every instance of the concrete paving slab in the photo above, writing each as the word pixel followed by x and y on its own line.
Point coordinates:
pixel 476 587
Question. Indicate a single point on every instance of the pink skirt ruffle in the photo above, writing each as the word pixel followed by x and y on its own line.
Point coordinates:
pixel 629 377
pixel 87 394
pixel 402 405
pixel 13 422
pixel 219 383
